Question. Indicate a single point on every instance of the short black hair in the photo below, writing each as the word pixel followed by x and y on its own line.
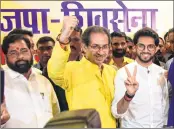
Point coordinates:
pixel 44 40
pixel 10 39
pixel 21 31
pixel 78 29
pixel 129 39
pixel 118 34
pixel 146 31
pixel 171 30
pixel 94 29
pixel 165 36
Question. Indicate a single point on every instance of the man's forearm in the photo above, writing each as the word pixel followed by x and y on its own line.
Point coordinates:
pixel 122 106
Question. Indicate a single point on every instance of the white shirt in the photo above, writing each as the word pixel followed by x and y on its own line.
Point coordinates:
pixel 30 103
pixel 149 107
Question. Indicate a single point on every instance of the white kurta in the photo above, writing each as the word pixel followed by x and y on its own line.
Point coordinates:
pixel 31 103
pixel 149 107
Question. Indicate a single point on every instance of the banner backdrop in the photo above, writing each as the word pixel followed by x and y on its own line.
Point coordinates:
pixel 45 17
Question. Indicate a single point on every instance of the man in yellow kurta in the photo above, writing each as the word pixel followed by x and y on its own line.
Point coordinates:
pixel 88 82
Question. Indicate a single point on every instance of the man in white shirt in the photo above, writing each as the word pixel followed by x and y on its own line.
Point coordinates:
pixel 29 96
pixel 4 113
pixel 141 93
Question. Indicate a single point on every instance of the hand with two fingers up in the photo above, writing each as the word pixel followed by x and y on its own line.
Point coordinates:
pixel 131 84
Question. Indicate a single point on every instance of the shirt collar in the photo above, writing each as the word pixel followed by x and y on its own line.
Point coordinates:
pixel 89 64
pixel 150 67
pixel 13 74
pixel 124 61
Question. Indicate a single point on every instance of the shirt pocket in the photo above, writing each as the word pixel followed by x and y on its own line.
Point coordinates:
pixel 46 103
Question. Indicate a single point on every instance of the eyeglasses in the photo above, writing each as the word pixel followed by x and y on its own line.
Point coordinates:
pixel 118 44
pixel 97 47
pixel 15 54
pixel 47 48
pixel 150 47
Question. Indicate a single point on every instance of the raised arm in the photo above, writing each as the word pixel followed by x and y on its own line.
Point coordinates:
pixel 57 62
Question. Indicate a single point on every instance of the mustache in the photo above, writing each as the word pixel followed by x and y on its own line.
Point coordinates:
pixel 119 49
pixel 72 47
pixel 19 61
pixel 118 54
pixel 21 66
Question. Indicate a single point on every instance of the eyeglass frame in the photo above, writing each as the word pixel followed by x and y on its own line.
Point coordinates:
pixel 100 47
pixel 16 54
pixel 146 46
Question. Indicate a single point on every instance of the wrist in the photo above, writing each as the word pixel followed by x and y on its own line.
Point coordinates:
pixel 128 97
pixel 63 40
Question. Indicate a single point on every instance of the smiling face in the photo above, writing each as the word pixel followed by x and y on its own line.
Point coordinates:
pixel 98 49
pixel 19 57
pixel 145 49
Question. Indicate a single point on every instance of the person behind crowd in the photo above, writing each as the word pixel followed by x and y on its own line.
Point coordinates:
pixel 44 50
pixel 168 47
pixel 45 46
pixel 88 82
pixel 130 51
pixel 162 47
pixel 141 95
pixel 170 38
pixel 119 46
pixel 109 57
pixel 170 66
pixel 76 45
pixel 159 56
pixel 171 108
pixel 30 98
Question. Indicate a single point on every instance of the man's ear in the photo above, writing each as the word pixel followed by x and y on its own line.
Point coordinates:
pixel 84 48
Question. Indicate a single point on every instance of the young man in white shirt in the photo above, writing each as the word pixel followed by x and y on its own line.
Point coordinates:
pixel 29 96
pixel 141 95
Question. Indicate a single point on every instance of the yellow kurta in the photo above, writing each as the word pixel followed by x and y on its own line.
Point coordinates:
pixel 126 61
pixel 85 86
